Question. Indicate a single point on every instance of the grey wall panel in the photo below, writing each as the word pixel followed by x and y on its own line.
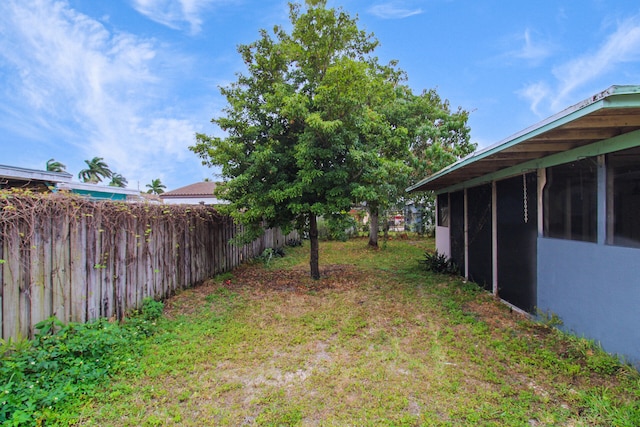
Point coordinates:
pixel 595 290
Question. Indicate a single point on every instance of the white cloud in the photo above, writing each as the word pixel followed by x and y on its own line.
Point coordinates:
pixel 77 82
pixel 535 93
pixel 393 10
pixel 174 13
pixel 619 49
pixel 532 50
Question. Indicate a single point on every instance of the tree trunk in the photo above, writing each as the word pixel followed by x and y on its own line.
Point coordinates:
pixel 313 239
pixel 385 228
pixel 373 226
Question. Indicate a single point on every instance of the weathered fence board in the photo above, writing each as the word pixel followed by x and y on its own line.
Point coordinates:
pixel 78 250
pixel 80 260
pixel 11 285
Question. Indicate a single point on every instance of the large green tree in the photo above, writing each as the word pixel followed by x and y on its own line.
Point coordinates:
pixel 385 161
pixel 415 135
pixel 96 171
pixel 437 136
pixel 295 123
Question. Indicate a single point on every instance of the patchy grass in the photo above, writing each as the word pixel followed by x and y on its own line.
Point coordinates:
pixel 376 341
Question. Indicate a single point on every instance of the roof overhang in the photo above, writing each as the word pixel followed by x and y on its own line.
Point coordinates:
pixel 97 189
pixel 24 174
pixel 611 113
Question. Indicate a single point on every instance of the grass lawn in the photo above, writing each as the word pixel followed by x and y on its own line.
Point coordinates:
pixel 376 341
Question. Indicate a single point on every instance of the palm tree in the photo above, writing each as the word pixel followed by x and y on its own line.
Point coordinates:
pixel 117 180
pixel 55 166
pixel 96 170
pixel 156 187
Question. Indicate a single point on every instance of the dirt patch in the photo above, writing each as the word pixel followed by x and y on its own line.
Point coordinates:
pixel 296 280
pixel 258 282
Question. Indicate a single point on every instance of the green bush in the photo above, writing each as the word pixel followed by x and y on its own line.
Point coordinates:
pixel 337 228
pixel 439 263
pixel 63 362
pixel 294 242
pixel 151 309
pixel 270 253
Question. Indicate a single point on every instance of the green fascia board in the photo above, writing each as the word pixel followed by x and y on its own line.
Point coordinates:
pixel 100 195
pixel 621 142
pixel 613 97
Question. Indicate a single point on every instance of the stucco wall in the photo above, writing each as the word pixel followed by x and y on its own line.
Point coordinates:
pixel 595 290
pixel 190 200
pixel 442 241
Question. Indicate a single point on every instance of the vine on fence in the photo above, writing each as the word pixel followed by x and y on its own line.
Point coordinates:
pixel 77 259
pixel 22 211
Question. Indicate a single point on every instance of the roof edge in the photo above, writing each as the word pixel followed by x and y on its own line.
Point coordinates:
pixel 16 172
pixel 596 102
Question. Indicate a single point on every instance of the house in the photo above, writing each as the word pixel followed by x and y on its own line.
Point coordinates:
pixel 549 219
pixel 100 192
pixel 32 179
pixel 193 194
pixel 45 181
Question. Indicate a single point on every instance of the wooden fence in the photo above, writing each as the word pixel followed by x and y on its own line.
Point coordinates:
pixel 80 260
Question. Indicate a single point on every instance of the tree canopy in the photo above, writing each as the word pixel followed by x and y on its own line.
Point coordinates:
pixel 293 121
pixel 309 129
pixel 156 187
pixel 96 171
pixel 435 136
pixel 117 180
pixel 55 166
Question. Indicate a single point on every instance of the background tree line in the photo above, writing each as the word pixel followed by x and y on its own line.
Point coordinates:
pixel 97 170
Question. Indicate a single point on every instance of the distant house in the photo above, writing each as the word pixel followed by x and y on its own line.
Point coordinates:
pixel 193 194
pixel 32 179
pixel 100 192
pixel 549 219
pixel 45 181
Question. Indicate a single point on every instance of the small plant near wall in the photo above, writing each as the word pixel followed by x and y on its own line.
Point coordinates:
pixel 270 253
pixel 294 242
pixel 548 319
pixel 439 263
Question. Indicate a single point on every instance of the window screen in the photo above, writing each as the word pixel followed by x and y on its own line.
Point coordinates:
pixel 443 210
pixel 623 201
pixel 570 201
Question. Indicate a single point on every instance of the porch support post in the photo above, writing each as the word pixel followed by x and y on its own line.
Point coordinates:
pixel 542 181
pixel 602 201
pixel 466 236
pixel 494 238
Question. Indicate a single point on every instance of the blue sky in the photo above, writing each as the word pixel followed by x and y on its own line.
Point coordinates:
pixel 132 81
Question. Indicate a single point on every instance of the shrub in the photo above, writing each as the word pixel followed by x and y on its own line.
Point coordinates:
pixel 61 363
pixel 337 227
pixel 294 242
pixel 151 309
pixel 439 263
pixel 270 253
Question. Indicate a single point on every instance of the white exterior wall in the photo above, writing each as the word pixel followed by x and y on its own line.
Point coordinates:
pixel 443 242
pixel 192 201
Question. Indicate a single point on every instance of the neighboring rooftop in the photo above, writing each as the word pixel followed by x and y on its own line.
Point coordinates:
pixel 12 176
pixel 197 193
pixel 204 188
